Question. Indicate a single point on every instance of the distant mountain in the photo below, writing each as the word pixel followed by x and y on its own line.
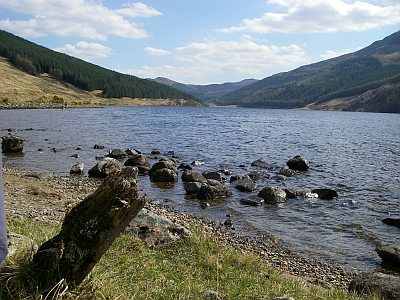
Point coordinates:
pixel 36 60
pixel 206 92
pixel 343 79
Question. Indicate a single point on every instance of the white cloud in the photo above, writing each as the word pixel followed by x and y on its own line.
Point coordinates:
pixel 86 51
pixel 84 18
pixel 313 16
pixel 138 9
pixel 156 51
pixel 218 61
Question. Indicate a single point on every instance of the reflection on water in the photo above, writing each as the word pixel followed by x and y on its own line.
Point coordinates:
pixel 355 153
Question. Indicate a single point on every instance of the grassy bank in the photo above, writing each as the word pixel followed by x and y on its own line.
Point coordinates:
pixel 182 270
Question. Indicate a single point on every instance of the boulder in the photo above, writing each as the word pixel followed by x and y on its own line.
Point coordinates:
pixel 262 165
pixel 164 175
pixel 386 285
pixel 213 190
pixel 156 230
pixel 163 164
pixel 192 188
pixel 139 161
pixel 214 175
pixel 245 185
pixel 325 194
pixel 212 295
pixel 87 231
pixel 105 167
pixel 298 163
pixel 12 144
pixel 392 222
pixel 252 201
pixel 191 176
pixel 272 195
pixel 77 169
pixel 117 153
pixel 390 254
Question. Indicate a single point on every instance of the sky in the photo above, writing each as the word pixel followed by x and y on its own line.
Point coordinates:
pixel 202 41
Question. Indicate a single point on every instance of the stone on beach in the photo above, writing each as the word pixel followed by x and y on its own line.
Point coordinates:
pixel 12 144
pixel 77 169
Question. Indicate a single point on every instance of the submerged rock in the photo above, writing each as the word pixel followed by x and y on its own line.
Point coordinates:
pixel 252 201
pixel 214 175
pixel 245 185
pixel 262 164
pixel 97 146
pixel 184 166
pixel 286 171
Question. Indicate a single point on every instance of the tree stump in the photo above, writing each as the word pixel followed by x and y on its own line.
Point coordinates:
pixel 88 231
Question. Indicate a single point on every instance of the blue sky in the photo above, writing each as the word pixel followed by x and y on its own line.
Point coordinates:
pixel 202 42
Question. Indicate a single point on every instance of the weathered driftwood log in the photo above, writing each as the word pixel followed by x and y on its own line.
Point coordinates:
pixel 88 230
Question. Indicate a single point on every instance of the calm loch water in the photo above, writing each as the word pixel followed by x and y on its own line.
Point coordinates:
pixel 357 154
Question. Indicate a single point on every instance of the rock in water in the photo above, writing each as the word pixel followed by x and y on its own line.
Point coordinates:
pixel 191 176
pixel 163 171
pixel 117 153
pixel 386 285
pixel 392 222
pixel 298 163
pixel 105 167
pixel 139 161
pixel 12 144
pixel 88 231
pixel 262 165
pixel 390 254
pixel 325 194
pixel 213 190
pixel 272 195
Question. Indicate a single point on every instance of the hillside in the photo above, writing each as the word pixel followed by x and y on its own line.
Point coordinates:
pixel 342 79
pixel 37 60
pixel 208 91
pixel 19 89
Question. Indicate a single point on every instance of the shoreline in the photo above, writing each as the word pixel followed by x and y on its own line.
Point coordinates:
pixel 46 200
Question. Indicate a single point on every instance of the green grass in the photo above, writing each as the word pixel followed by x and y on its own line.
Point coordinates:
pixel 183 270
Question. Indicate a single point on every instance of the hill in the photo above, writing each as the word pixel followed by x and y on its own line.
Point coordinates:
pixel 36 60
pixel 345 79
pixel 208 91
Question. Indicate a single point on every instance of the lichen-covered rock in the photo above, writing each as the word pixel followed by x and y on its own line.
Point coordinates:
pixel 12 144
pixel 105 167
pixel 272 195
pixel 156 230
